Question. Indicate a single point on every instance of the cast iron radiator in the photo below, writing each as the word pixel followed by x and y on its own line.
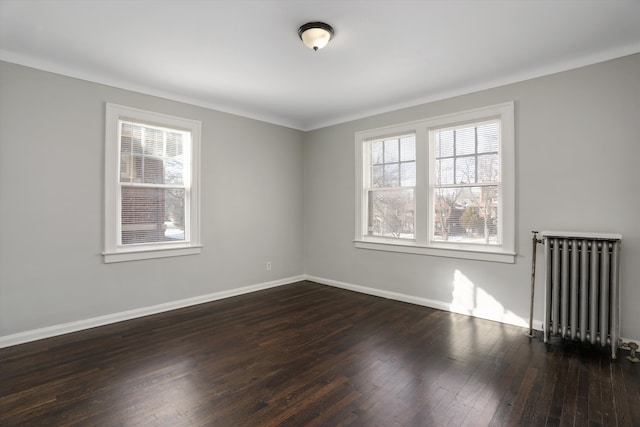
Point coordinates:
pixel 582 287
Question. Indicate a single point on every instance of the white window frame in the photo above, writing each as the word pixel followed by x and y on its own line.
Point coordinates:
pixel 423 244
pixel 113 250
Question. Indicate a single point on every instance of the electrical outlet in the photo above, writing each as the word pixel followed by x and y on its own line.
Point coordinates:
pixel 268 265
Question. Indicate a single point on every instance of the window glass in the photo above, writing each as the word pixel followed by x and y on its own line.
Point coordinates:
pixel 463 212
pixel 393 171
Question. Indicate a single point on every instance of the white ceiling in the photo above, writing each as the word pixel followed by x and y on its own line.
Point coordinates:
pixel 245 57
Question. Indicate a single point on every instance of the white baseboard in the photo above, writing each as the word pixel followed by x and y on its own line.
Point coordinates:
pixel 440 305
pixel 65 328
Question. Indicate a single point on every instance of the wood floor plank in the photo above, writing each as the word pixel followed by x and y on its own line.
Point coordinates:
pixel 308 354
pixel 622 410
pixel 570 395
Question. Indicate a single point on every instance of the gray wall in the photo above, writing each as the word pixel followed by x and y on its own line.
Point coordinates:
pixel 577 168
pixel 274 194
pixel 51 205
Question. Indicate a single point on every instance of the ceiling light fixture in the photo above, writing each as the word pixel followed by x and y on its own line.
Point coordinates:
pixel 315 35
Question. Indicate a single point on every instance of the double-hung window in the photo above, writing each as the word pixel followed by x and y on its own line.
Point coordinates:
pixel 151 191
pixel 392 187
pixel 440 186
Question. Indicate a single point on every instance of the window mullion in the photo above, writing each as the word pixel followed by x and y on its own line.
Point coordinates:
pixel 466 185
pixel 455 157
pixel 398 162
pixel 475 153
pixel 422 214
pixel 145 185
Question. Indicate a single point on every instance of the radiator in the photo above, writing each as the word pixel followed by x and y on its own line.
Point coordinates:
pixel 582 287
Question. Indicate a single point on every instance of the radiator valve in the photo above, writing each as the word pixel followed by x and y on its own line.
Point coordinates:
pixel 633 347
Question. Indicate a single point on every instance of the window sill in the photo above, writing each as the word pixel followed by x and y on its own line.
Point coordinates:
pixel 149 253
pixel 496 255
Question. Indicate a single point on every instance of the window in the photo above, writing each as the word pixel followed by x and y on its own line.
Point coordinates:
pixel 151 185
pixel 466 183
pixel 441 186
pixel 392 187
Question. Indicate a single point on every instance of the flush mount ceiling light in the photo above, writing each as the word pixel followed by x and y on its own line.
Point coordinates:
pixel 315 35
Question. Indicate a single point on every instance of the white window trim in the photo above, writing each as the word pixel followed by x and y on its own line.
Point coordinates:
pixel 421 244
pixel 113 252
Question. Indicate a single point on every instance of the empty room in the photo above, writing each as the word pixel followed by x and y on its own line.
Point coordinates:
pixel 305 212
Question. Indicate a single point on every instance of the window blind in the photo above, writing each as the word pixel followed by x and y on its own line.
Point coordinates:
pixel 153 177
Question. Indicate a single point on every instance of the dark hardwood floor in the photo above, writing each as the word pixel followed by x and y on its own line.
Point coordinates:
pixel 306 354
